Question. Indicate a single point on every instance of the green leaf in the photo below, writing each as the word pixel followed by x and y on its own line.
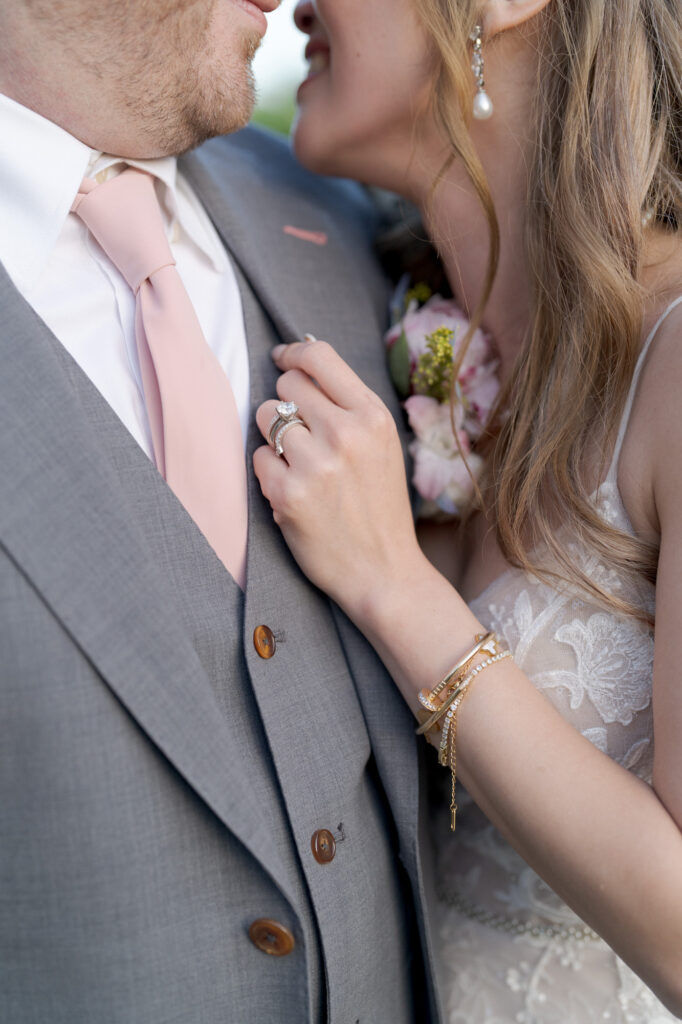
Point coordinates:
pixel 399 365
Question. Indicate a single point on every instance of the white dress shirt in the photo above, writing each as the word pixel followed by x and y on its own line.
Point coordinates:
pixel 73 286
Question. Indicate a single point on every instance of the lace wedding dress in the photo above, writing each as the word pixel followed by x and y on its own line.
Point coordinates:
pixel 511 952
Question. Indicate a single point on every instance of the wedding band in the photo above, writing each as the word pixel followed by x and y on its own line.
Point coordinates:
pixel 297 422
pixel 285 412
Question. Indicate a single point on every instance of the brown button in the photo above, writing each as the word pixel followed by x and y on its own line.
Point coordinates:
pixel 271 937
pixel 323 846
pixel 264 641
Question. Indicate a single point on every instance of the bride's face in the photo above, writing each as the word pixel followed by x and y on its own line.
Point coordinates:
pixel 369 80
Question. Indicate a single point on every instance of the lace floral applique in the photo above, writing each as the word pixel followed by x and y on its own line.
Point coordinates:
pixel 613 666
pixel 639 759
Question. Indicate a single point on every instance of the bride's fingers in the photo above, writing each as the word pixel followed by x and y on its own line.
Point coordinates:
pixel 317 409
pixel 323 364
pixel 266 415
pixel 271 475
pixel 292 435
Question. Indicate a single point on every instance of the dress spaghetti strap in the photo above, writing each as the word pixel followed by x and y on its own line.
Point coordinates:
pixel 633 387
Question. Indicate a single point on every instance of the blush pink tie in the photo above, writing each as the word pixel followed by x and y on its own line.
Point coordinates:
pixel 192 412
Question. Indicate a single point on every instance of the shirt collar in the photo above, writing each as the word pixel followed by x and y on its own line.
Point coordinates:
pixel 183 210
pixel 40 174
pixel 102 166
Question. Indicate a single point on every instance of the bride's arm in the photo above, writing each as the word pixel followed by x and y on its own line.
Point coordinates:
pixel 601 838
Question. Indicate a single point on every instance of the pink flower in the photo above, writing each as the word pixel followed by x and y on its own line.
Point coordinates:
pixel 418 323
pixel 480 393
pixel 441 475
pixel 477 377
pixel 431 423
pixel 444 484
pixel 439 312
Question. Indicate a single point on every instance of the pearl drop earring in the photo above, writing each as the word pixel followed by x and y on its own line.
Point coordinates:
pixel 483 105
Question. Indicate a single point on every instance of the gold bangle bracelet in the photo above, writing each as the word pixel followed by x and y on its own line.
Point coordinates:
pixel 488 643
pixel 482 640
pixel 459 679
pixel 447 754
pixel 451 713
pixel 439 712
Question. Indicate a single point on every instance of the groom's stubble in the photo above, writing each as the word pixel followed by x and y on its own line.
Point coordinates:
pixel 140 79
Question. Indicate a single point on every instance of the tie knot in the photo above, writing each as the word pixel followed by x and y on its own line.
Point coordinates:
pixel 124 216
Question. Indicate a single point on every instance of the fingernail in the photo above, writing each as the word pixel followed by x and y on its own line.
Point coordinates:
pixel 309 337
pixel 277 351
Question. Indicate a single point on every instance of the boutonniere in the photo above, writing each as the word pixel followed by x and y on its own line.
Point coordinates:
pixel 423 345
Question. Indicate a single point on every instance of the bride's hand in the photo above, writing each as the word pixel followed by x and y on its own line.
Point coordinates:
pixel 339 494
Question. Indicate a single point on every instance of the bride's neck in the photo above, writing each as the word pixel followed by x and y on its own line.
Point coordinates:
pixel 458 226
pixel 459 229
pixel 457 223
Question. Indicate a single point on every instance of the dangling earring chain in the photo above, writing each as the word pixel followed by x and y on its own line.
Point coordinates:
pixel 483 106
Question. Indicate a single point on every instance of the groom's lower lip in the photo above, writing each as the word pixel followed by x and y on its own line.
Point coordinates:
pixel 256 9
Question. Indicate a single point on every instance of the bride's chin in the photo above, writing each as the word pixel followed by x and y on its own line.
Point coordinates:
pixel 311 151
pixel 324 156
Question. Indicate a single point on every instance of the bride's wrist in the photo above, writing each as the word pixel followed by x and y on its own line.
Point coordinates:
pixel 417 623
pixel 407 597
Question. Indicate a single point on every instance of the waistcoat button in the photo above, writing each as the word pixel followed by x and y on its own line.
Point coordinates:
pixel 264 641
pixel 323 846
pixel 271 937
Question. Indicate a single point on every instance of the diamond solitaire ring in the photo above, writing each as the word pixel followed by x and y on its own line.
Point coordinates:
pixel 285 412
pixel 286 416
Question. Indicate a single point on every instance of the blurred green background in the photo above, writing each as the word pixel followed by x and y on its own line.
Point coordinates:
pixel 278 68
pixel 276 112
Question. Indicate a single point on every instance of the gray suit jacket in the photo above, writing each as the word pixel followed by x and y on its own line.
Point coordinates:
pixel 160 782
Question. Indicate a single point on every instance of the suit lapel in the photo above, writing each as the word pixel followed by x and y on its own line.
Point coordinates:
pixel 297 281
pixel 64 521
pixel 226 198
pixel 335 291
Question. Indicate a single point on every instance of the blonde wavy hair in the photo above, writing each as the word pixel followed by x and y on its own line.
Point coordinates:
pixel 608 124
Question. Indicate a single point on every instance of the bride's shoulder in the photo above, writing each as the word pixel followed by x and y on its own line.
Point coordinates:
pixel 658 387
pixel 649 474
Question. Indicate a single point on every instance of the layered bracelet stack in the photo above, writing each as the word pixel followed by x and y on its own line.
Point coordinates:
pixel 440 705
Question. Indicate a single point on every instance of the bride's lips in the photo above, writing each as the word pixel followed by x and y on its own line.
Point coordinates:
pixel 258 9
pixel 317 54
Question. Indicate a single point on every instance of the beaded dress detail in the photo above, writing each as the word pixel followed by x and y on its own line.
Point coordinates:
pixel 510 950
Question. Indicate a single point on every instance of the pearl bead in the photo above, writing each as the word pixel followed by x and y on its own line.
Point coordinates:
pixel 483 106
